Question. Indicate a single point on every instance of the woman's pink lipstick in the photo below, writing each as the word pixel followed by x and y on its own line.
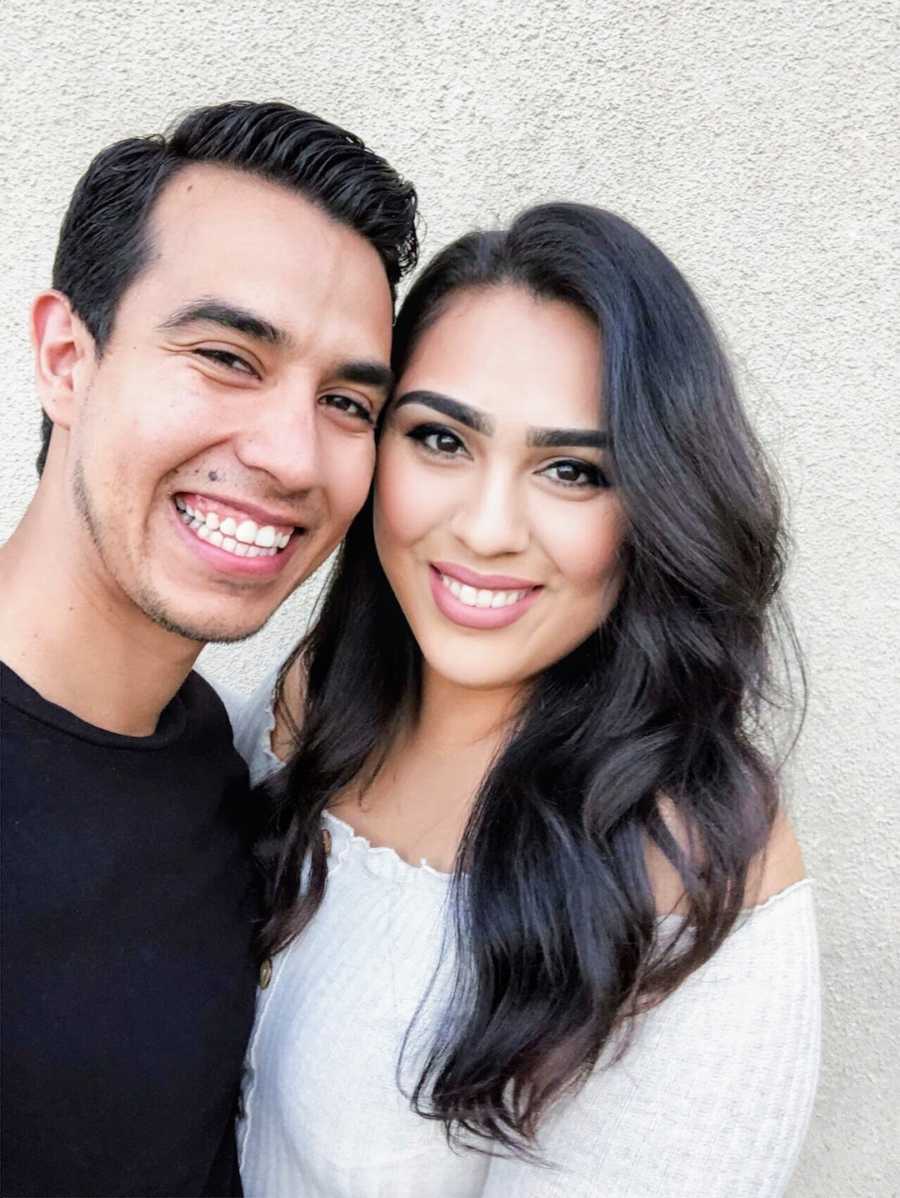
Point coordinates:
pixel 479 617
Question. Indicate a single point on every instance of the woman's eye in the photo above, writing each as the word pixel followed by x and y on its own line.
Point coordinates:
pixel 345 403
pixel 576 474
pixel 223 357
pixel 437 440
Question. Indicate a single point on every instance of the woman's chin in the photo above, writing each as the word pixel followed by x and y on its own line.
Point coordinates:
pixel 477 670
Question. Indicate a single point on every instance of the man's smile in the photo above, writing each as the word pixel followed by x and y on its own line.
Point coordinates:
pixel 232 527
pixel 234 537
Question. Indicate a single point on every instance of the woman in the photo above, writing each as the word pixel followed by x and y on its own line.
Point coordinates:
pixel 525 806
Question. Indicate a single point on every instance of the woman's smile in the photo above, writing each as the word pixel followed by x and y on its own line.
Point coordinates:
pixel 479 607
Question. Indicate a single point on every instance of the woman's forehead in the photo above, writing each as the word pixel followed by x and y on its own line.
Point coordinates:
pixel 519 359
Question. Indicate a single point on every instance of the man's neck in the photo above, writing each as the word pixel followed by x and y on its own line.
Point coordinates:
pixel 78 643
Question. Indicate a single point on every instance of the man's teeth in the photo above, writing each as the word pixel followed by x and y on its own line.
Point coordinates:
pixel 244 539
pixel 481 598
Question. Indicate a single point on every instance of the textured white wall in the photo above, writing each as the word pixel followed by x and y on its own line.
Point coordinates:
pixel 753 141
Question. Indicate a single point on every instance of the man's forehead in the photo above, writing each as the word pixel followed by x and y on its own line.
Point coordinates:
pixel 260 247
pixel 204 198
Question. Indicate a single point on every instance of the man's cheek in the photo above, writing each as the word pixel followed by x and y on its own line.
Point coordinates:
pixel 350 479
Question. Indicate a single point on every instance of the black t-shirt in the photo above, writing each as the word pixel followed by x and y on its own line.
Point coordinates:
pixel 128 903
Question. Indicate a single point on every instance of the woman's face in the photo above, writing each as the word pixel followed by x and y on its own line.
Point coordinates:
pixel 494 518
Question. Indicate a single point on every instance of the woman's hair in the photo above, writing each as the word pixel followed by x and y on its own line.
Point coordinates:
pixel 660 708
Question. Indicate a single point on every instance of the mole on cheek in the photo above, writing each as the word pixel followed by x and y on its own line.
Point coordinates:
pixel 213 476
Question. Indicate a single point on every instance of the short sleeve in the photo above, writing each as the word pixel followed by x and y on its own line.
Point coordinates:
pixel 714 1095
pixel 252 720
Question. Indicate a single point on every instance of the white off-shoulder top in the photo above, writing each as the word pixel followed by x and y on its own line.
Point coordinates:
pixel 712 1099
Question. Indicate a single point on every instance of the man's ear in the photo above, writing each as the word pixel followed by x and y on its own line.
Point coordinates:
pixel 63 355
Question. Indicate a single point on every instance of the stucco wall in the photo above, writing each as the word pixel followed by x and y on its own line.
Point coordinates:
pixel 753 142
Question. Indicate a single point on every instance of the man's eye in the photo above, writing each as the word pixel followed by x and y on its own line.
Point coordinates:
pixel 223 357
pixel 345 403
pixel 572 473
pixel 437 439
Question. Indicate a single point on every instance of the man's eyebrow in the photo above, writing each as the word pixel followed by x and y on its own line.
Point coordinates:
pixel 561 438
pixel 367 373
pixel 229 316
pixel 470 417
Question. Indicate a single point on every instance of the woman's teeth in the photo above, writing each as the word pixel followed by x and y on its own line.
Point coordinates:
pixel 471 597
pixel 244 539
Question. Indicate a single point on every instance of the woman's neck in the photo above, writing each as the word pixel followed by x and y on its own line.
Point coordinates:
pixel 419 799
pixel 453 717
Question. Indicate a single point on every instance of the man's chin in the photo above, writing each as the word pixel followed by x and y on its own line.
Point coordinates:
pixel 205 630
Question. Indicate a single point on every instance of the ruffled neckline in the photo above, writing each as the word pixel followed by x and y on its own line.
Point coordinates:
pixel 380 860
pixel 385 862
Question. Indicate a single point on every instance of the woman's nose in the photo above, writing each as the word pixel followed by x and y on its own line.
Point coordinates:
pixel 493 520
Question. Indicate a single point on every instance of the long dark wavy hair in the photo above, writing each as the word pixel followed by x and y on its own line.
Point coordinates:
pixel 556 925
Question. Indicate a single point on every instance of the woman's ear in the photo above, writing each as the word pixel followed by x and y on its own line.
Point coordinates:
pixel 63 350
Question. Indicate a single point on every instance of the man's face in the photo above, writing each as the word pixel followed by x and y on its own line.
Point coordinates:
pixel 224 440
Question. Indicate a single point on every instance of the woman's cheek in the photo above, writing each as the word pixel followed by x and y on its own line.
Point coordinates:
pixel 401 497
pixel 411 498
pixel 585 544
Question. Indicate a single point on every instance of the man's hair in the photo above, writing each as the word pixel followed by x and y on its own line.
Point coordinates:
pixel 105 243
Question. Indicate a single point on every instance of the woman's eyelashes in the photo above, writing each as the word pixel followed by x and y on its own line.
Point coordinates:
pixel 436 439
pixel 573 472
pixel 576 473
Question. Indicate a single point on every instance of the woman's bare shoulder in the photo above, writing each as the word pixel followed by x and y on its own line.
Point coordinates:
pixel 780 864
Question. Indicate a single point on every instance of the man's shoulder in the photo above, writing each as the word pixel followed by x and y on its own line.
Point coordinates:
pixel 204 702
pixel 198 695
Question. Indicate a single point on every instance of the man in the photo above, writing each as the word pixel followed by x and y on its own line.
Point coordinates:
pixel 211 363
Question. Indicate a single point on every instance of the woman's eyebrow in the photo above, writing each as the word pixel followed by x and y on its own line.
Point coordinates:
pixel 470 417
pixel 480 422
pixel 558 438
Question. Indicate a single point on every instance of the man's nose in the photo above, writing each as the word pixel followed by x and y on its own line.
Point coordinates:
pixel 492 520
pixel 282 439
